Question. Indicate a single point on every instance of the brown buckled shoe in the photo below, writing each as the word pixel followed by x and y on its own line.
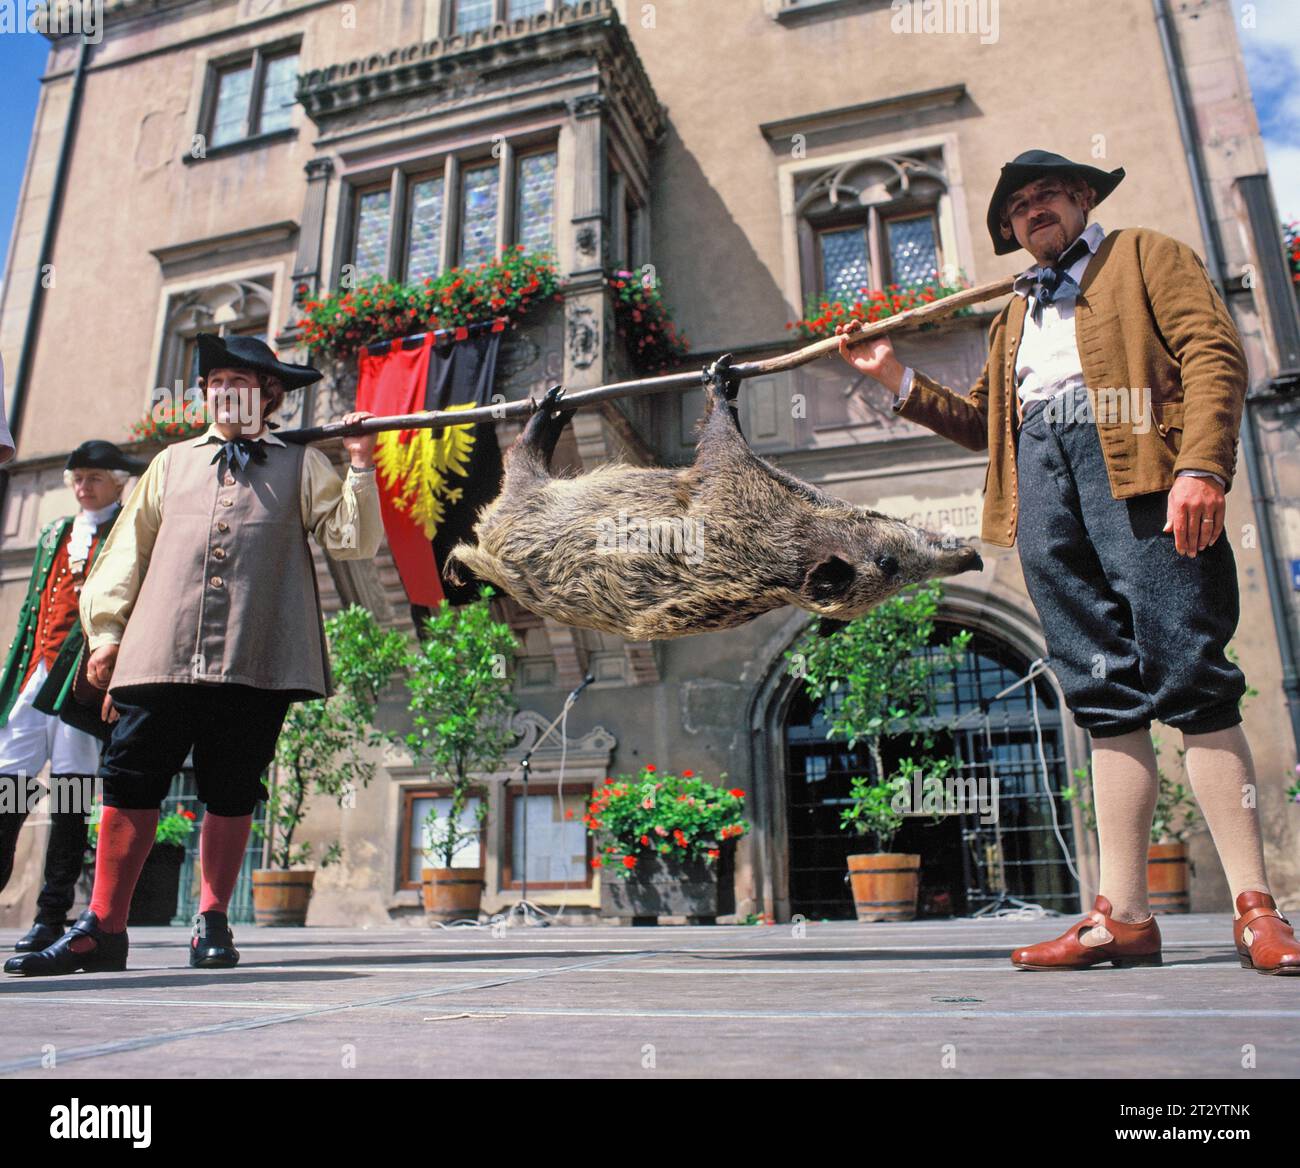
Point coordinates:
pixel 1129 944
pixel 1272 947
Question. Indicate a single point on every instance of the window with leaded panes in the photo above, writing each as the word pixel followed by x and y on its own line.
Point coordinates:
pixel 869 223
pixel 252 96
pixel 416 225
pixel 535 202
pixel 480 188
pixel 374 223
pixel 472 15
pixel 424 232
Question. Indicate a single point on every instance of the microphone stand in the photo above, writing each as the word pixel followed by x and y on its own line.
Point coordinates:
pixel 527 912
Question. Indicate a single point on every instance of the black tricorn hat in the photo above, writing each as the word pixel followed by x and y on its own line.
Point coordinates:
pixel 100 455
pixel 1035 164
pixel 249 353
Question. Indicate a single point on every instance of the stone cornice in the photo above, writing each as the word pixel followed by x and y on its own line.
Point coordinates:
pixel 486 60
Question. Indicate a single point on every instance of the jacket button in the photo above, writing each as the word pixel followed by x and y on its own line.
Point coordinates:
pixel 216 582
pixel 222 525
pixel 219 553
pixel 226 502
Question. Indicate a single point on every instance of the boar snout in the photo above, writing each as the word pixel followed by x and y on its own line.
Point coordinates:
pixel 953 561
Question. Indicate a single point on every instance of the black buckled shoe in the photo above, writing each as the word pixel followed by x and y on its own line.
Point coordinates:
pixel 38 937
pixel 212 944
pixel 70 952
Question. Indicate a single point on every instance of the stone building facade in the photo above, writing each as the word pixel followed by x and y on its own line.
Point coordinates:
pixel 227 159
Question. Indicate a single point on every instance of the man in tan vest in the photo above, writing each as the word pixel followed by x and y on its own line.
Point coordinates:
pixel 204 624
pixel 1109 406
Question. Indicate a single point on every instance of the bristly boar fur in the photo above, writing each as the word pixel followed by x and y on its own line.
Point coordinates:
pixel 653 553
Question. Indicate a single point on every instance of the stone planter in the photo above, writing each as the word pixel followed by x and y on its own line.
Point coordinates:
pixel 671 887
pixel 154 900
pixel 885 885
pixel 280 897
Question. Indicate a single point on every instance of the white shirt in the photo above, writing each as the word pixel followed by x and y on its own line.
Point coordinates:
pixel 1047 360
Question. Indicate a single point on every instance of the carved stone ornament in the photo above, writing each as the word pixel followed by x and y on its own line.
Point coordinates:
pixel 584 336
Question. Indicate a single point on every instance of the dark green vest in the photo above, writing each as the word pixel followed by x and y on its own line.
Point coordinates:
pixel 55 696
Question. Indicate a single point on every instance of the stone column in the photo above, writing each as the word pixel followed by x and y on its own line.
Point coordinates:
pixel 588 312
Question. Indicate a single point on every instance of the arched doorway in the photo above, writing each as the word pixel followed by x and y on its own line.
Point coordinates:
pixel 967 859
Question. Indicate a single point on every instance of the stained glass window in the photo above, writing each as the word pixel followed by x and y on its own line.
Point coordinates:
pixel 373 225
pixel 913 254
pixel 424 241
pixel 535 202
pixel 233 89
pixel 279 85
pixel 478 214
pixel 473 14
pixel 845 264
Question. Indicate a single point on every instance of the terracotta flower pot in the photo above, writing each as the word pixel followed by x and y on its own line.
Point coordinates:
pixel 885 885
pixel 1167 869
pixel 452 894
pixel 280 897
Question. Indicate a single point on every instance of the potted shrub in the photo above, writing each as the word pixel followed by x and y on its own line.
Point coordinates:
pixel 322 750
pixel 1176 817
pixel 461 701
pixel 876 678
pixel 886 884
pixel 665 845
pixel 156 892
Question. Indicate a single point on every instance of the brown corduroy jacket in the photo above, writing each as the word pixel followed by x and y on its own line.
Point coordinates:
pixel 1161 358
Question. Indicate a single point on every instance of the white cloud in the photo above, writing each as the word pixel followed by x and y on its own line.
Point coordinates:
pixel 1272 53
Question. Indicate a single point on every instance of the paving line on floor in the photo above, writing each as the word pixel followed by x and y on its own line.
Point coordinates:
pixel 867 1015
pixel 144 1042
pixel 792 948
pixel 746 972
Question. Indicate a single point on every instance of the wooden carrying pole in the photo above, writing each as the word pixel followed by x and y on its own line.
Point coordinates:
pixel 525 407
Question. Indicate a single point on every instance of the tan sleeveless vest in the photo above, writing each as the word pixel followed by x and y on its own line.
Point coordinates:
pixel 230 594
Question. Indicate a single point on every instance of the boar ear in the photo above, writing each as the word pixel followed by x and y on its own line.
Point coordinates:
pixel 828 579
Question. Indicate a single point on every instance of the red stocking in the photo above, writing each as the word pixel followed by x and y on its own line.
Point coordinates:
pixel 125 839
pixel 222 840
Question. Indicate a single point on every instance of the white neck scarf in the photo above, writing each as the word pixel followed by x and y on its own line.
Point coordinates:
pixel 84 527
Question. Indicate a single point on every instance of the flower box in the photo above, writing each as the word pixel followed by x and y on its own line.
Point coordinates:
pixel 673 886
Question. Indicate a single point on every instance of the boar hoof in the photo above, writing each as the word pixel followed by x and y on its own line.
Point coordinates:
pixel 721 379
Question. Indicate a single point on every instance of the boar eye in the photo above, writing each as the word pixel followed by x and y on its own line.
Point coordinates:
pixel 888 565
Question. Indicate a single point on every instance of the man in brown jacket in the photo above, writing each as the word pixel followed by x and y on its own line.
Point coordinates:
pixel 1109 406
pixel 204 623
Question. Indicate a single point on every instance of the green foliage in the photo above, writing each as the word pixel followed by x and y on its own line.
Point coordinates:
pixel 323 746
pixel 173 828
pixel 664 814
pixel 879 669
pixel 878 807
pixel 460 695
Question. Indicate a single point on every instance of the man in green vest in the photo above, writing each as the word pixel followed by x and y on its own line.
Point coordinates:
pixel 41 720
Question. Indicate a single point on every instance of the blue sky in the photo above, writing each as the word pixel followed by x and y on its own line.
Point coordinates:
pixel 1271 49
pixel 22 60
